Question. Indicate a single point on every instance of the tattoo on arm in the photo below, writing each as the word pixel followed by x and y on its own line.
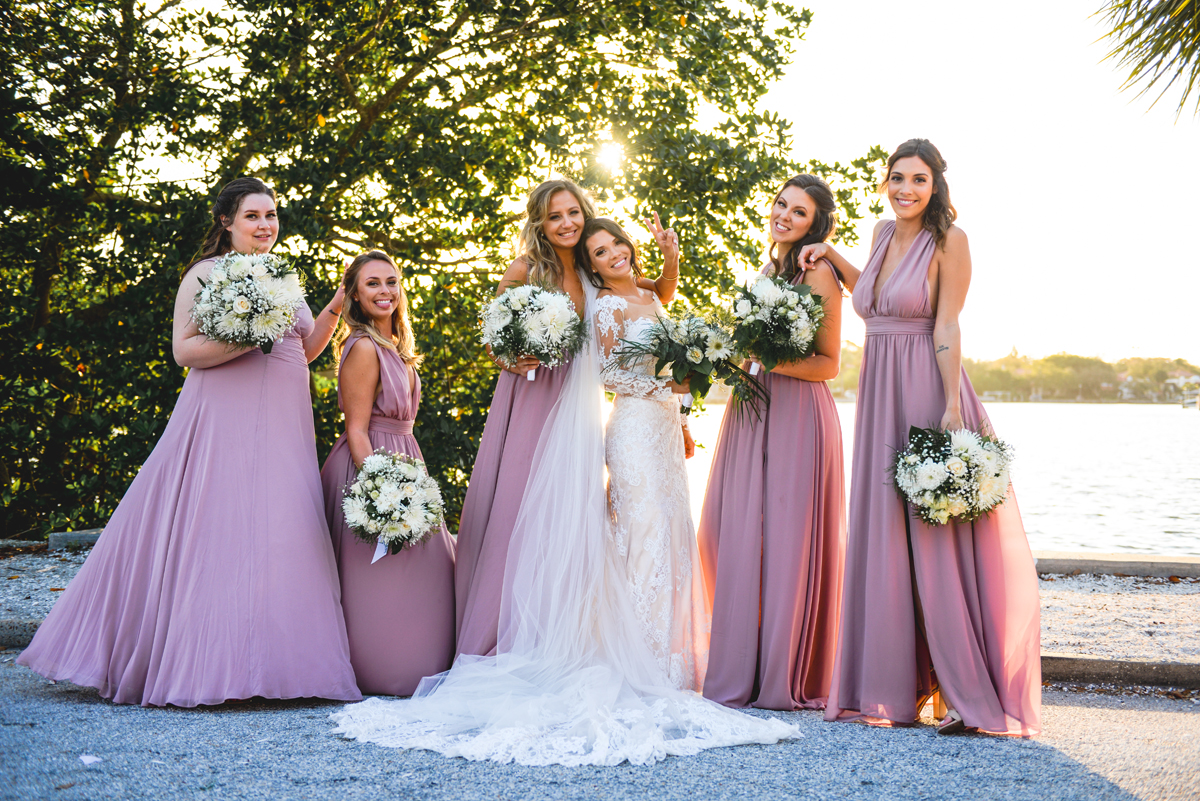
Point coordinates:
pixel 942 348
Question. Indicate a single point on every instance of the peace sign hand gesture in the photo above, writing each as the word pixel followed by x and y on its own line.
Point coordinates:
pixel 668 243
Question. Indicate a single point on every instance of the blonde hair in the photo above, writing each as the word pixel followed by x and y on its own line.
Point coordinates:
pixel 353 318
pixel 541 261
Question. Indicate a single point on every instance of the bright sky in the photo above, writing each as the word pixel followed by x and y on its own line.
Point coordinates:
pixel 1080 205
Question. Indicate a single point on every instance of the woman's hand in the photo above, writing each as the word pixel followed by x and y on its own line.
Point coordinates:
pixel 811 254
pixel 681 389
pixel 952 420
pixel 689 444
pixel 667 241
pixel 524 365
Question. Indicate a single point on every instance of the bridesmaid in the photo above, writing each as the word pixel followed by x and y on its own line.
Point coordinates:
pixel 926 608
pixel 773 527
pixel 400 610
pixel 214 579
pixel 555 214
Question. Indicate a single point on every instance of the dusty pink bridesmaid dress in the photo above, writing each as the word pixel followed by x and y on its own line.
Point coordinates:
pixel 400 610
pixel 977 582
pixel 772 537
pixel 502 465
pixel 214 579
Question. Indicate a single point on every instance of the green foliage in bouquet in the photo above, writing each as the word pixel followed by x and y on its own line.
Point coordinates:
pixel 776 322
pixel 692 349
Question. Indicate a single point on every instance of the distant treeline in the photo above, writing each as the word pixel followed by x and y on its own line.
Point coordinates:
pixel 1062 376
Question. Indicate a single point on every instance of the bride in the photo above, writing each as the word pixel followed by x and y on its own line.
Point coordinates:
pixel 644 448
pixel 575 680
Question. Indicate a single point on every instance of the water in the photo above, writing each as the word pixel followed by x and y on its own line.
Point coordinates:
pixel 1089 477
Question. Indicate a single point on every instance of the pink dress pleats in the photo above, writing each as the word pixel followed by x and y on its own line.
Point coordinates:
pixel 977 583
pixel 400 610
pixel 214 579
pixel 772 538
pixel 518 411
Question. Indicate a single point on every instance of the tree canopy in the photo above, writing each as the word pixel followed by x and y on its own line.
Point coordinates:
pixel 417 127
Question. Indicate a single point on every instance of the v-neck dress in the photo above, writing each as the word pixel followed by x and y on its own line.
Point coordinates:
pixel 977 583
pixel 400 610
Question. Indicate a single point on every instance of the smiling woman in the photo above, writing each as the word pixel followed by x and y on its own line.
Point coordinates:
pixel 554 218
pixel 214 579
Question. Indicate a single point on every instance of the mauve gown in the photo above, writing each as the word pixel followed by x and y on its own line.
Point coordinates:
pixel 400 610
pixel 214 579
pixel 772 539
pixel 977 583
pixel 510 436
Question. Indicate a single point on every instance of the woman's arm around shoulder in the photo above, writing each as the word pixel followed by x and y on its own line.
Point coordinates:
pixel 358 384
pixel 953 280
pixel 189 347
pixel 826 360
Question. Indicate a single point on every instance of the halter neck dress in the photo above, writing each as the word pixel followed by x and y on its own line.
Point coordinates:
pixel 400 610
pixel 214 579
pixel 772 541
pixel 977 583
pixel 515 419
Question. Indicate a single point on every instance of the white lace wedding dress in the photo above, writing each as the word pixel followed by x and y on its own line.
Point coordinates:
pixel 648 498
pixel 573 681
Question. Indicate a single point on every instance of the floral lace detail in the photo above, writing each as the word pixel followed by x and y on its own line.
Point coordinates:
pixel 612 325
pixel 650 504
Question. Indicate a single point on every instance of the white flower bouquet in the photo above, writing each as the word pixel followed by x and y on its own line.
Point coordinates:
pixel 775 321
pixel 393 502
pixel 954 476
pixel 692 349
pixel 532 321
pixel 248 300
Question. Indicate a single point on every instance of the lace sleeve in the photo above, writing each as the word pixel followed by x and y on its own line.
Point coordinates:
pixel 610 330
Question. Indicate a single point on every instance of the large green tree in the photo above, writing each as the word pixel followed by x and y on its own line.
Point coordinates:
pixel 413 126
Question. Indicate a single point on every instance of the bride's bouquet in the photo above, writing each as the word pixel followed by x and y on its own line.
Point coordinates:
pixel 953 475
pixel 690 347
pixel 775 322
pixel 532 321
pixel 248 300
pixel 393 502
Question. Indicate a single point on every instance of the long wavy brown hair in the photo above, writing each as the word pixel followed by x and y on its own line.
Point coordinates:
pixel 353 318
pixel 940 214
pixel 217 241
pixel 543 265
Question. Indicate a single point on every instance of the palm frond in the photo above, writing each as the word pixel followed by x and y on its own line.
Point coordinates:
pixel 1158 42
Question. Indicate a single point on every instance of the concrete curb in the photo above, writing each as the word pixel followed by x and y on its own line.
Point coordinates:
pixel 1116 564
pixel 17 633
pixel 1094 670
pixel 63 539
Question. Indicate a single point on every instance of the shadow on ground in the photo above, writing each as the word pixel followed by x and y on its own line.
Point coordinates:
pixel 1093 748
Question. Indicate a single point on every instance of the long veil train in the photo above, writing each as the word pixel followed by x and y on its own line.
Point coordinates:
pixel 573 682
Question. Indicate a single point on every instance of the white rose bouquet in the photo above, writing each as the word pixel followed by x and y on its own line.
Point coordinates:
pixel 692 349
pixel 248 300
pixel 952 475
pixel 392 502
pixel 532 321
pixel 776 322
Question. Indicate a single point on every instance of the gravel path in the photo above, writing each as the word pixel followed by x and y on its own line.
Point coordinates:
pixel 30 583
pixel 1122 618
pixel 1094 747
pixel 1106 616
